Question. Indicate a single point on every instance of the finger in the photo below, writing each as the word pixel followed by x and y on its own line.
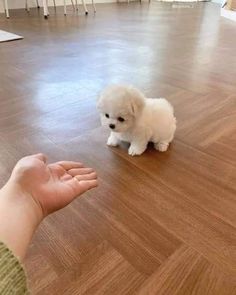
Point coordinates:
pixel 67 165
pixel 88 184
pixel 80 171
pixel 81 187
pixel 40 157
pixel 89 176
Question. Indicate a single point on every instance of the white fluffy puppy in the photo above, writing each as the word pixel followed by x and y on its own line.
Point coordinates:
pixel 136 119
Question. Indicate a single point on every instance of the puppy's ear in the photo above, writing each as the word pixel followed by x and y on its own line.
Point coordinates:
pixel 102 97
pixel 137 100
pixel 99 102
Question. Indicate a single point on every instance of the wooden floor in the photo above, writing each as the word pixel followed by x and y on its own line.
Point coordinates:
pixel 161 224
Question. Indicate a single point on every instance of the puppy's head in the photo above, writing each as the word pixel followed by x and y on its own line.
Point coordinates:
pixel 120 106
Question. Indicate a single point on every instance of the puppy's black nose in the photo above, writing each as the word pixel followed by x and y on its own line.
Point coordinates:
pixel 112 126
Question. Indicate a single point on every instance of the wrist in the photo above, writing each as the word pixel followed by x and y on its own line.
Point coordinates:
pixel 20 216
pixel 16 197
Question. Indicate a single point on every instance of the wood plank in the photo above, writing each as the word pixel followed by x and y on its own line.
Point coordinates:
pixel 103 271
pixel 187 272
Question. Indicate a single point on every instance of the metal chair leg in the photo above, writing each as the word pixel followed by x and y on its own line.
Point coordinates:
pixel 85 7
pixel 72 2
pixel 54 3
pixel 6 8
pixel 27 6
pixel 64 7
pixel 94 7
pixel 45 9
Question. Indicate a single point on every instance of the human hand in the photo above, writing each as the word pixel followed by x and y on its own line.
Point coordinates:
pixel 51 186
pixel 34 190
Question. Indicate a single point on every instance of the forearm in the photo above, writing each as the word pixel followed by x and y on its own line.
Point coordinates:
pixel 19 218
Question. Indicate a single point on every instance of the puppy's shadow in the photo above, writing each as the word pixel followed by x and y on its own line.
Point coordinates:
pixel 150 152
pixel 124 146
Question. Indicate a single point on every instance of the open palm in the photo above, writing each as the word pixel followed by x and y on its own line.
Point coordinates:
pixel 52 186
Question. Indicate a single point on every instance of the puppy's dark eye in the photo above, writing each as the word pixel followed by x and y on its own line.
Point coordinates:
pixel 120 119
pixel 107 115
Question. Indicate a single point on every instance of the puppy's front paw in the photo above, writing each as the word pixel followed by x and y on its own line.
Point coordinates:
pixel 112 141
pixel 162 146
pixel 135 150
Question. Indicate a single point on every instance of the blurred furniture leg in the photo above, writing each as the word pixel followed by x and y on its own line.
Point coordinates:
pixel 85 7
pixel 64 7
pixel 27 6
pixel 72 2
pixel 6 8
pixel 45 9
pixel 75 6
pixel 94 7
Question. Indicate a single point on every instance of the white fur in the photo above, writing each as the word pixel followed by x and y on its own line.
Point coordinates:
pixel 146 119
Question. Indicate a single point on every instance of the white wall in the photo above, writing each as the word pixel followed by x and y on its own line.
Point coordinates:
pixel 1 6
pixel 17 4
pixel 217 1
